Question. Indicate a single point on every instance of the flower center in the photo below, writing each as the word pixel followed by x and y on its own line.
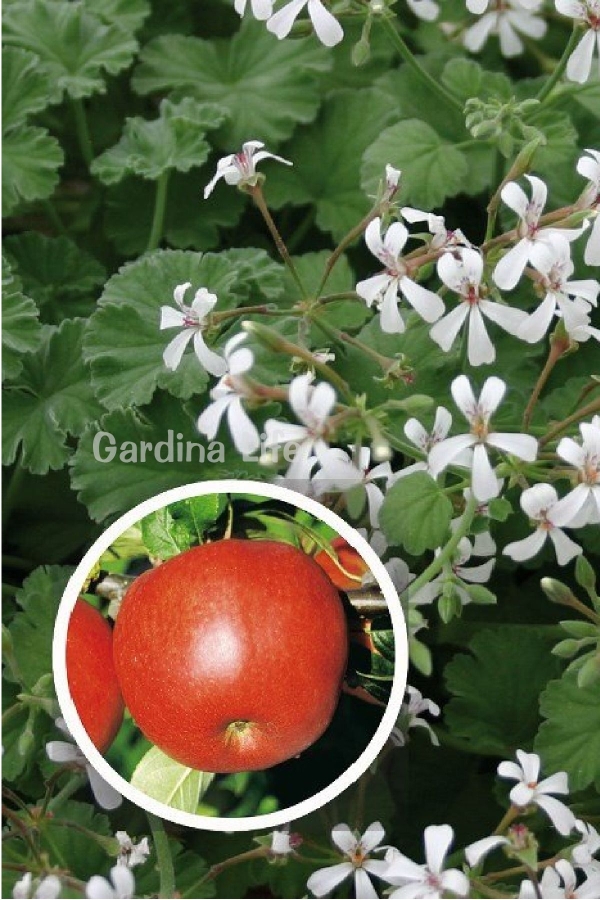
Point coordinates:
pixel 590 472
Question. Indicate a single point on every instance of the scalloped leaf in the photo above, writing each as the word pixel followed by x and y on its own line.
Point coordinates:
pixel 30 164
pixel 75 47
pixel 127 14
pixel 25 87
pixel 21 331
pixel 569 739
pixel 330 178
pixel 432 168
pixel 266 86
pixel 416 513
pixel 62 277
pixel 175 140
pixel 53 399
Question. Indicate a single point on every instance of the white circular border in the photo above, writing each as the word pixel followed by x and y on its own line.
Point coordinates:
pixel 246 823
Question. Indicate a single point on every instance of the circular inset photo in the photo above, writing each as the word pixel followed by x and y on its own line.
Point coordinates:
pixel 230 655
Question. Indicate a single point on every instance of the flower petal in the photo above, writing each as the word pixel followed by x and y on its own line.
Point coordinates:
pixel 173 352
pixel 480 348
pixel 560 815
pixel 344 838
pixel 479 849
pixel 580 61
pixel 363 886
pixel 528 547
pixel 429 306
pixel 522 445
pixel 327 28
pixel 324 880
pixel 212 362
pixel 442 454
pixel 281 23
pixel 446 329
pixel 509 269
pixel 565 548
pixel 372 837
pixel 437 843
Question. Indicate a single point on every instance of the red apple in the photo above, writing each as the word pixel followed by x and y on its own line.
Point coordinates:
pixel 231 655
pixel 350 560
pixel 91 674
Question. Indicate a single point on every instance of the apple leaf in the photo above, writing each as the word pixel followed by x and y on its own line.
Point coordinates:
pixel 569 739
pixel 30 164
pixel 330 178
pixel 53 399
pixel 496 686
pixel 74 46
pixel 416 513
pixel 163 535
pixel 253 77
pixel 25 88
pixel 108 490
pixel 167 781
pixel 21 332
pixel 432 168
pixel 62 277
pixel 175 140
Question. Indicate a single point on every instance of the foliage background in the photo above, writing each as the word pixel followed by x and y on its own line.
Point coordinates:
pixel 104 105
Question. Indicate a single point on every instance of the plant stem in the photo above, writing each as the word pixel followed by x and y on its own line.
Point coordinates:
pixel 257 195
pixel 13 488
pixel 445 96
pixel 447 553
pixel 160 205
pixel 558 346
pixel 587 410
pixel 348 239
pixel 54 217
pixel 560 67
pixel 507 819
pixel 163 856
pixel 83 131
pixel 70 788
pixel 492 209
pixel 256 853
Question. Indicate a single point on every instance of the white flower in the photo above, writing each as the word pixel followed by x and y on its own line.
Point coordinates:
pixel 131 854
pixel 227 398
pixel 583 853
pixel 312 405
pixel 424 440
pixel 392 181
pixel 457 569
pixel 410 717
pixel 240 168
pixel 427 10
pixel 47 888
pixel 340 472
pixel 552 259
pixel 327 28
pixel 477 851
pixel 68 754
pixel 462 273
pixel 589 167
pixel 587 13
pixel 558 882
pixel 192 320
pixel 582 505
pixel 529 790
pixel 358 850
pixel 261 9
pixel 478 413
pixel 283 843
pixel 383 289
pixel 436 225
pixel 120 887
pixel 510 268
pixel 429 881
pixel 538 502
pixel 507 19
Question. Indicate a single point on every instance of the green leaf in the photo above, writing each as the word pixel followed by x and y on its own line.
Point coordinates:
pixel 496 688
pixel 199 513
pixel 53 399
pixel 190 221
pixel 123 341
pixel 167 781
pixel 75 47
pixel 261 82
pixel 25 88
pixel 54 270
pixel 416 513
pixel 30 164
pixel 82 856
pixel 108 490
pixel 432 168
pixel 330 178
pixel 127 14
pixel 569 739
pixel 21 332
pixel 176 140
pixel 163 535
pixel 32 628
pixel 466 79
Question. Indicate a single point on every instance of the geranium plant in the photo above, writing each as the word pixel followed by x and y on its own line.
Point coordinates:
pixel 352 246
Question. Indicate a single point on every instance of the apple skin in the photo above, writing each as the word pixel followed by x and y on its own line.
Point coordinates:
pixel 91 674
pixel 350 559
pixel 231 655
